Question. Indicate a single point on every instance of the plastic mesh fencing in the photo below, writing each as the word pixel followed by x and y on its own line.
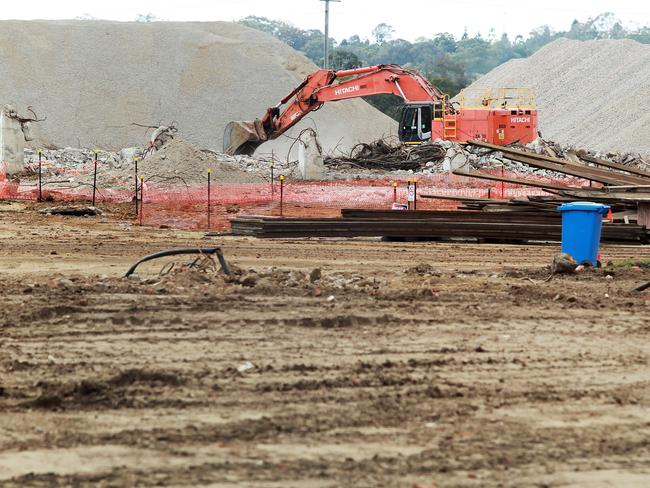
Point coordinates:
pixel 186 206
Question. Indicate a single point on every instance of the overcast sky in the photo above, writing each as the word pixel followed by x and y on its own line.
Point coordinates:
pixel 410 19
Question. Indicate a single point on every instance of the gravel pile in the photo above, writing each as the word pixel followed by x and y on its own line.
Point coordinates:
pixel 181 160
pixel 177 163
pixel 92 79
pixel 592 94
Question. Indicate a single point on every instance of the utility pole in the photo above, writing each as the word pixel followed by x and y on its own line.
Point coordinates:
pixel 327 31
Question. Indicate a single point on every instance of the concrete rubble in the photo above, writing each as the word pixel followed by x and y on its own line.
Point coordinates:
pixel 15 130
pixel 176 161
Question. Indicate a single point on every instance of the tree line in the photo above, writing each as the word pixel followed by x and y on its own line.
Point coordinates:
pixel 450 63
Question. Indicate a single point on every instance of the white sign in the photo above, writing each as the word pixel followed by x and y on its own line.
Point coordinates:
pixel 411 194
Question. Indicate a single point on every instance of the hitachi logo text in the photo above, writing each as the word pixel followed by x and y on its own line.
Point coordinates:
pixel 349 89
pixel 524 120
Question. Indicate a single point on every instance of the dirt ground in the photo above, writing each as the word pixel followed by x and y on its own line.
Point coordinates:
pixel 322 363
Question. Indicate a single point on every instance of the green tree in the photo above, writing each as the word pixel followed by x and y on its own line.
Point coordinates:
pixel 448 62
pixel 342 59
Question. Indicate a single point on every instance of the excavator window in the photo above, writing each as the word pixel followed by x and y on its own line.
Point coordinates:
pixel 425 123
pixel 409 125
pixel 415 125
pixel 438 110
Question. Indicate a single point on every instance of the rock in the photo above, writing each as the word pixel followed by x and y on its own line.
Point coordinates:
pixel 421 269
pixel 128 154
pixel 249 280
pixel 74 211
pixel 458 161
pixel 315 275
pixel 245 366
pixel 563 264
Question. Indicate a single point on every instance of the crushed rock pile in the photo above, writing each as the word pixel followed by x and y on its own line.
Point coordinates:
pixel 177 162
pixel 180 159
pixel 93 79
pixel 592 94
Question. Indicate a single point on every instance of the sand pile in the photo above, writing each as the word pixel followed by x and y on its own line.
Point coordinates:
pixel 592 94
pixel 92 79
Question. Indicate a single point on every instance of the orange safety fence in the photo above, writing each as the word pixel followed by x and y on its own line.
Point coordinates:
pixel 186 206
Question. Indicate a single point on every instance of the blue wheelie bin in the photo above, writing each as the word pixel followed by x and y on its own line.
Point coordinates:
pixel 581 225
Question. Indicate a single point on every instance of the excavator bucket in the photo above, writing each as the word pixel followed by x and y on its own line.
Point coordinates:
pixel 241 137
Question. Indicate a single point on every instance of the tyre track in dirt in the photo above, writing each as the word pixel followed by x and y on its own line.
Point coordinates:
pixel 465 375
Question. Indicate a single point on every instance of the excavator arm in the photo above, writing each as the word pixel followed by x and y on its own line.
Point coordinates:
pixel 327 86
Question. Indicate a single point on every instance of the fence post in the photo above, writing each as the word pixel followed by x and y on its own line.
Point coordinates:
pixel 394 192
pixel 209 181
pixel 135 178
pixel 503 184
pixel 40 173
pixel 408 188
pixel 95 176
pixel 272 182
pixel 415 193
pixel 281 193
pixel 141 199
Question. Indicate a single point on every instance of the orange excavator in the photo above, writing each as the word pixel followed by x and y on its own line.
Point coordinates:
pixel 498 116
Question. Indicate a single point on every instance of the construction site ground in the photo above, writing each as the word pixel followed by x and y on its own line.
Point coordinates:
pixel 439 364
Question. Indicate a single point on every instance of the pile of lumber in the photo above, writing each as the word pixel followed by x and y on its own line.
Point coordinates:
pixel 616 184
pixel 534 218
pixel 418 224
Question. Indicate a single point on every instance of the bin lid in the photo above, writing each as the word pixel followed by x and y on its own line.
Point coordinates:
pixel 585 207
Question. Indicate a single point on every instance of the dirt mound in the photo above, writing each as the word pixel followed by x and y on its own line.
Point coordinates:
pixel 591 94
pixel 92 79
pixel 182 160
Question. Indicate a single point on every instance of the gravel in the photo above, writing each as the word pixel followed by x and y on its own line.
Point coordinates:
pixel 92 79
pixel 592 94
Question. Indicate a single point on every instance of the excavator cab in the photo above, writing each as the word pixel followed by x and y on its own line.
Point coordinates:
pixel 415 123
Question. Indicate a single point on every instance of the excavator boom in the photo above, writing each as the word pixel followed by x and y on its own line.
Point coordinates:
pixel 322 86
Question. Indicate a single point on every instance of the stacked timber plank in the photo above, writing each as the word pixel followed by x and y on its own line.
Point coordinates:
pixel 619 184
pixel 426 225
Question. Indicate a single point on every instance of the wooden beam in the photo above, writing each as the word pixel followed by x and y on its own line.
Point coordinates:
pixel 585 172
pixel 602 195
pixel 460 199
pixel 573 169
pixel 515 181
pixel 611 164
